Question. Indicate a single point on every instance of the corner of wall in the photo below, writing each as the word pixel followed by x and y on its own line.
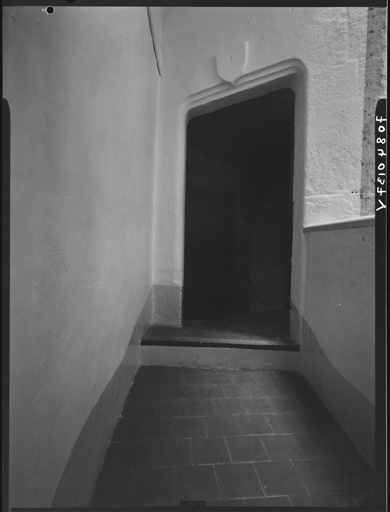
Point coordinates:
pixel 295 323
pixel 167 305
pixel 352 410
pixel 77 483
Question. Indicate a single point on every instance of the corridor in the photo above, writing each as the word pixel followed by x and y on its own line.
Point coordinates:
pixel 194 186
pixel 229 438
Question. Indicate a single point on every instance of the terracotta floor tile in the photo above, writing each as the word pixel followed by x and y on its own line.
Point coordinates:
pixel 157 393
pixel 289 377
pixel 236 391
pixel 258 405
pixel 253 424
pixel 228 406
pixel 221 426
pixel 226 503
pixel 153 379
pixel 218 378
pixel 169 380
pixel 155 428
pixel 171 452
pixel 135 454
pixel 362 472
pixel 171 408
pixel 209 392
pixel 279 478
pixel 285 423
pixel 310 403
pixel 246 449
pixel 282 447
pixel 196 483
pixel 276 501
pixel 262 389
pixel 284 404
pixel 238 481
pixel 152 486
pixel 185 370
pixel 318 422
pixel 140 410
pixel 294 386
pixel 334 501
pixel 192 426
pixel 331 476
pixel 265 376
pixel 178 392
pixel 328 445
pixel 112 489
pixel 242 377
pixel 209 450
pixel 195 379
pixel 294 389
pixel 200 408
pixel 158 370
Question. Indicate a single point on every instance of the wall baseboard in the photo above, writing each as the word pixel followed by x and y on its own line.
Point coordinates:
pixel 167 305
pixel 77 483
pixel 353 411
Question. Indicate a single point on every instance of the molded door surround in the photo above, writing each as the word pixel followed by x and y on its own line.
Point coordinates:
pixel 288 74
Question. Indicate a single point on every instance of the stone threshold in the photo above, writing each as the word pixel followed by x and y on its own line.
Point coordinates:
pixel 166 336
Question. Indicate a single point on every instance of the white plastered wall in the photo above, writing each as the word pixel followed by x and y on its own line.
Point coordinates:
pixel 330 44
pixel 82 86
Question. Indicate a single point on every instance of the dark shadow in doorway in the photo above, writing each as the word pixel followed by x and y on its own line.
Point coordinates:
pixel 238 218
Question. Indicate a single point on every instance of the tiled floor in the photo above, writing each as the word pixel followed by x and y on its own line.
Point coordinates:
pixel 240 438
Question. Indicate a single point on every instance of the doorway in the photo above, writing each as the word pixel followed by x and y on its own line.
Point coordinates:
pixel 238 213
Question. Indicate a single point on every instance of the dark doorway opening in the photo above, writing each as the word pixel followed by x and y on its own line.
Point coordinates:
pixel 238 214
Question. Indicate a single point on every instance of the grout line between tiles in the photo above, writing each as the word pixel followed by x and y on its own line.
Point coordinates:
pixel 230 378
pixel 269 424
pixel 216 479
pixel 288 497
pixel 213 407
pixel 301 448
pixel 258 478
pixel 131 481
pixel 248 390
pixel 264 446
pixel 299 476
pixel 131 486
pixel 227 447
pixel 175 497
pixel 192 455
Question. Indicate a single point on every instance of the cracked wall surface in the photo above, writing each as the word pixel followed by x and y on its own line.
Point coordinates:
pixel 336 64
pixel 375 88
